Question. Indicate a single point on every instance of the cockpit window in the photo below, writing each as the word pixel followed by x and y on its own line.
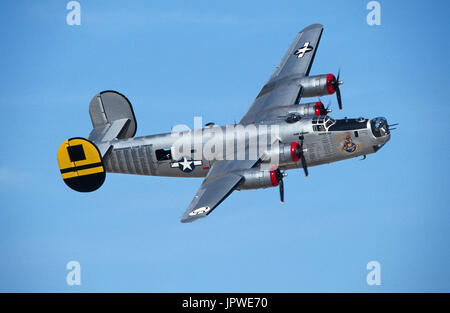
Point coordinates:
pixel 348 124
pixel 318 128
pixel 322 123
pixel 329 122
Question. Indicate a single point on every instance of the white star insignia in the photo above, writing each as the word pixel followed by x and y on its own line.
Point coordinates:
pixel 301 51
pixel 186 164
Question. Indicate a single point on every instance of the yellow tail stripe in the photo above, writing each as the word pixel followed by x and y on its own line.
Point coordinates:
pixel 89 171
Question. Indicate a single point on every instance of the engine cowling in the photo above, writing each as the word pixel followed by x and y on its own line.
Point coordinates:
pixel 256 178
pixel 319 85
pixel 286 153
pixel 311 109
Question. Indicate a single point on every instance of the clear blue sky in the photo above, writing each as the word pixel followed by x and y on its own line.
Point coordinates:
pixel 175 61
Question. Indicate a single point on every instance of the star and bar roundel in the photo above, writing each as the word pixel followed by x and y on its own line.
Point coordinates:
pixel 186 164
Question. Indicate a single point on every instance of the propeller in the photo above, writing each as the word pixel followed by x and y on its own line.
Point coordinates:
pixel 279 177
pixel 328 107
pixel 281 190
pixel 324 110
pixel 335 83
pixel 302 156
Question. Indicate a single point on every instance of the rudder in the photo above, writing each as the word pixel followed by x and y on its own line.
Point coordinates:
pixel 109 106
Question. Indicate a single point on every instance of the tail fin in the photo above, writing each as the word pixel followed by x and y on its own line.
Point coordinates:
pixel 81 165
pixel 112 117
pixel 80 160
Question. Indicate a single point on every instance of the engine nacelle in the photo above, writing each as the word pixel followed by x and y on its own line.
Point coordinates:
pixel 319 85
pixel 293 113
pixel 256 178
pixel 287 153
pixel 312 109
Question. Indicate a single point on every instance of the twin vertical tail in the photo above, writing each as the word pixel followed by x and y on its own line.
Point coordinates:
pixel 81 160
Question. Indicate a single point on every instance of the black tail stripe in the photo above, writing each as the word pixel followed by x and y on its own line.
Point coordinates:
pixel 82 167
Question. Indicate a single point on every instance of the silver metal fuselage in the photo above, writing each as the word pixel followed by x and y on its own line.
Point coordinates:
pixel 142 155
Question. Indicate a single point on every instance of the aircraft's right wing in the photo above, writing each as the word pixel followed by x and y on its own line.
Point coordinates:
pixel 223 177
pixel 283 87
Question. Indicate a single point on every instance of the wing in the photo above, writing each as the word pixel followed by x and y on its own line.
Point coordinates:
pixel 222 179
pixel 283 88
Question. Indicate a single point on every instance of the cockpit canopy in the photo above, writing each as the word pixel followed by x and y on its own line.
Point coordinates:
pixel 349 124
pixel 326 123
pixel 322 123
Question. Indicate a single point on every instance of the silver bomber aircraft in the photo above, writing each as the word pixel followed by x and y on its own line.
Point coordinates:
pixel 276 134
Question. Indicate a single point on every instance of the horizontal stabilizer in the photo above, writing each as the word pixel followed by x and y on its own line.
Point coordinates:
pixel 102 135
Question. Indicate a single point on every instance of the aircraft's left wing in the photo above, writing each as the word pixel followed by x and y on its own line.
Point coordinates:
pixel 283 87
pixel 223 177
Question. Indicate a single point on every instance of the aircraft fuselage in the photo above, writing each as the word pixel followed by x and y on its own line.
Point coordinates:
pixel 325 141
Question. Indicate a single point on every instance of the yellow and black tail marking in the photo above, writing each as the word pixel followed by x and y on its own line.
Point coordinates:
pixel 81 165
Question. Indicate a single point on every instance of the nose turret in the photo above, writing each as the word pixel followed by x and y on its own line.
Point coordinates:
pixel 380 127
pixel 380 130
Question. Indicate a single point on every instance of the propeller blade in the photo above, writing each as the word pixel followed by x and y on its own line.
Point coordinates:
pixel 281 185
pixel 337 82
pixel 327 109
pixel 339 99
pixel 302 158
pixel 305 167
